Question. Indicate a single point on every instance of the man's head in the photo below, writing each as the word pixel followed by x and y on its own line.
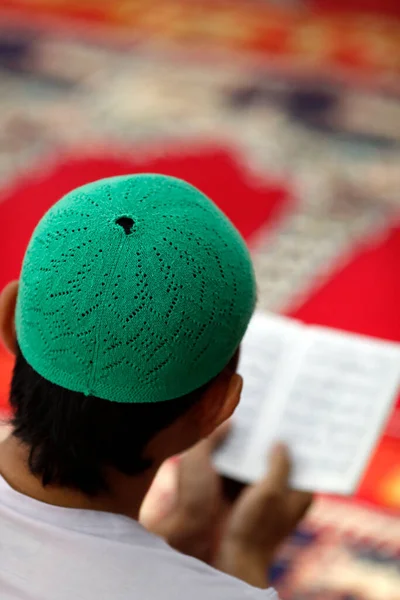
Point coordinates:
pixel 135 294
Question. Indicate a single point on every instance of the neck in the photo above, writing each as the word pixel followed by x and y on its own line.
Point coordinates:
pixel 124 496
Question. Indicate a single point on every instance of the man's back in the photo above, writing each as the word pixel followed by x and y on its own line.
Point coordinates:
pixel 54 553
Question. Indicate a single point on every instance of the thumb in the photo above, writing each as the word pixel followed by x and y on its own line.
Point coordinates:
pixel 195 466
pixel 199 485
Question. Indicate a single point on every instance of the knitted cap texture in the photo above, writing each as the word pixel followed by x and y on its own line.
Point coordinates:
pixel 134 289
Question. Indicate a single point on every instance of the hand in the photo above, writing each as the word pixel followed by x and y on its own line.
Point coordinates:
pixel 262 517
pixel 240 540
pixel 192 522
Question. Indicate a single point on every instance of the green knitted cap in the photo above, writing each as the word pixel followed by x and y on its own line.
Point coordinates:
pixel 134 289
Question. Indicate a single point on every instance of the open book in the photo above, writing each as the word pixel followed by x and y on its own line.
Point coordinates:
pixel 324 392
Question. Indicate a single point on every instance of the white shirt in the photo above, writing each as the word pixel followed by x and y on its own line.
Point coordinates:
pixel 53 553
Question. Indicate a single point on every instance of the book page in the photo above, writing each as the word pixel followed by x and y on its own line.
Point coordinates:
pixel 325 393
pixel 265 349
pixel 339 399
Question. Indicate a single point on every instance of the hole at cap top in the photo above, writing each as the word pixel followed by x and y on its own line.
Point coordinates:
pixel 126 223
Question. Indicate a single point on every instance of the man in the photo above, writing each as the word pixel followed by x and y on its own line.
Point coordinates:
pixel 135 294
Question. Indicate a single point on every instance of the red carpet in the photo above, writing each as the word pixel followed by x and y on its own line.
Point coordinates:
pixel 363 297
pixel 306 83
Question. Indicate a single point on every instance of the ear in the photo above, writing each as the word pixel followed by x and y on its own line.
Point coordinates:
pixel 220 401
pixel 232 398
pixel 8 301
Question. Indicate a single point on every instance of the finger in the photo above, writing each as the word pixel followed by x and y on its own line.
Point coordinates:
pixel 279 469
pixel 199 485
pixel 298 503
pixel 199 488
pixel 197 477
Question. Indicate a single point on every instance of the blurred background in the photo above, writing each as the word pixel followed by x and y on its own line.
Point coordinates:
pixel 286 113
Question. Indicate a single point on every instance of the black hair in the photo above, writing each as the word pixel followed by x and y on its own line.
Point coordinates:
pixel 72 437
